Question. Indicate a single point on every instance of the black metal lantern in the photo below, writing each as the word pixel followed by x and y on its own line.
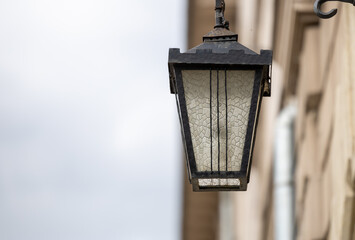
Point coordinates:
pixel 219 86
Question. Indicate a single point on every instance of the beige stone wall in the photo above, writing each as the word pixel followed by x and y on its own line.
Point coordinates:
pixel 315 59
pixel 314 66
pixel 254 208
pixel 325 129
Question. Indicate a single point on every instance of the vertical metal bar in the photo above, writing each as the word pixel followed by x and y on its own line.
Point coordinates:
pixel 225 90
pixel 211 118
pixel 218 118
pixel 183 134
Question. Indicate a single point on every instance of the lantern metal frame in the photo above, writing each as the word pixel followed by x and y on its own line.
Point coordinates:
pixel 220 51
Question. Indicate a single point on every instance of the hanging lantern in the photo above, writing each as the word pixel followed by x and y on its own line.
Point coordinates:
pixel 219 86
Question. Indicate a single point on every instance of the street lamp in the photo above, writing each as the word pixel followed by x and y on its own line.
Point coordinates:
pixel 219 86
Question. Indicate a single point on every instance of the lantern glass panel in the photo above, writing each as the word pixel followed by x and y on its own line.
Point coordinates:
pixel 218 104
pixel 219 182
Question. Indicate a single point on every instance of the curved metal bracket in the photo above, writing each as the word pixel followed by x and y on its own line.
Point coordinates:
pixel 331 13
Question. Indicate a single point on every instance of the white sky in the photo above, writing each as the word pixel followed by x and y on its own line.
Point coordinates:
pixel 89 138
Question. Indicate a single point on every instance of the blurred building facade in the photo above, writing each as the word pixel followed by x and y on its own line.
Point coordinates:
pixel 312 72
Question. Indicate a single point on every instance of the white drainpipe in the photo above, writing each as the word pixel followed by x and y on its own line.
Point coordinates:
pixel 283 175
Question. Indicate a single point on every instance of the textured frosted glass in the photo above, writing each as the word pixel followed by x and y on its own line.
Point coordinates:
pixel 219 182
pixel 202 104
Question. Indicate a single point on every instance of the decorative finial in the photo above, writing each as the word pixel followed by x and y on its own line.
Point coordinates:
pixel 220 20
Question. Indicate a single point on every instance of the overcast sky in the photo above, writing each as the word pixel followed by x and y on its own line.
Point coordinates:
pixel 89 138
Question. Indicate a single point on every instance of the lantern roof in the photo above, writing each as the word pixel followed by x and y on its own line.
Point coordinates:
pixel 221 40
pixel 221 34
pixel 220 47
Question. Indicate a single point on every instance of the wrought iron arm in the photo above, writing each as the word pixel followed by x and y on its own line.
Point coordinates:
pixel 220 20
pixel 331 13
